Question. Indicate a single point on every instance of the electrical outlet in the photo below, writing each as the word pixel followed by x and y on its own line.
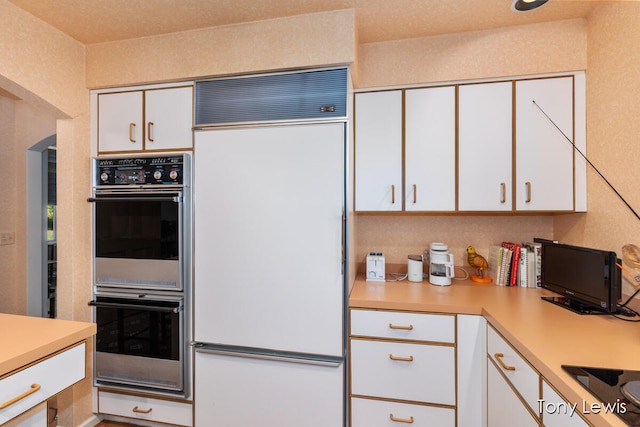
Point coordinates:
pixel 7 238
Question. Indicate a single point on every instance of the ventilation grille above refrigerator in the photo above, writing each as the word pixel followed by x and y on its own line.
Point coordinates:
pixel 308 95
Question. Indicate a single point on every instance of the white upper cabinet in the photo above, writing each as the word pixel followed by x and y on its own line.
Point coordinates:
pixel 120 121
pixel 378 168
pixel 485 147
pixel 154 119
pixel 544 156
pixel 430 149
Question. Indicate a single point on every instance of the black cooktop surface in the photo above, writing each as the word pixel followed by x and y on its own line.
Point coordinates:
pixel 615 390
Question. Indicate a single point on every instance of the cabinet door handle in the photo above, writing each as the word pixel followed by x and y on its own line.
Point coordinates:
pixel 406 328
pixel 132 129
pixel 415 195
pixel 393 194
pixel 506 367
pixel 142 411
pixel 503 192
pixel 32 389
pixel 527 186
pixel 150 126
pixel 401 359
pixel 401 420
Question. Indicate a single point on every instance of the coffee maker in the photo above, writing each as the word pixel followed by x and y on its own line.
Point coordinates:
pixel 441 268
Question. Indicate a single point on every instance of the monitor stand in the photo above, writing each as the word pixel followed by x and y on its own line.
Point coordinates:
pixel 573 305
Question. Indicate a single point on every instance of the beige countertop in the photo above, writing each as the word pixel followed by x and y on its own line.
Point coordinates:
pixel 27 339
pixel 548 336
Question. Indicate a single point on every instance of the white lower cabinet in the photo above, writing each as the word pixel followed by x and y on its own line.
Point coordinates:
pixel 236 391
pixel 558 413
pixel 403 368
pixel 505 408
pixel 380 413
pixel 31 386
pixel 515 391
pixel 145 408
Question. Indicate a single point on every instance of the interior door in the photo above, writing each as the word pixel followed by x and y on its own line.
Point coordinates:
pixel 268 237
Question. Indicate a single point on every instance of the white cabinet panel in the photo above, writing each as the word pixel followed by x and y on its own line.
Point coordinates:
pixel 241 392
pixel 263 197
pixel 169 118
pixel 472 370
pixel 413 372
pixel 120 121
pixel 559 413
pixel 485 147
pixel 544 157
pixel 503 405
pixel 430 149
pixel 378 168
pixel 378 413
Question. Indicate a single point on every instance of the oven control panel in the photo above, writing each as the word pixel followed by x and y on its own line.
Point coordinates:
pixel 160 170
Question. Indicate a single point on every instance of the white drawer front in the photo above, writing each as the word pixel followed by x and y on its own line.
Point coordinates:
pixel 401 325
pixel 415 372
pixel 145 408
pixel 523 377
pixel 39 382
pixel 380 413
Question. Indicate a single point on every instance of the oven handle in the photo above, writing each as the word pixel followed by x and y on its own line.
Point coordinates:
pixel 136 306
pixel 177 199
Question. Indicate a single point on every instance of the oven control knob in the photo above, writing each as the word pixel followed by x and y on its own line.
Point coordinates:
pixel 157 174
pixel 104 177
pixel 173 174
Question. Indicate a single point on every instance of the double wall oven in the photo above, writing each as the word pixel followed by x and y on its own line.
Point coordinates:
pixel 141 264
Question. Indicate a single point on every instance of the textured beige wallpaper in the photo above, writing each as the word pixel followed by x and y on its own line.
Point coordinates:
pixel 325 38
pixel 613 130
pixel 512 51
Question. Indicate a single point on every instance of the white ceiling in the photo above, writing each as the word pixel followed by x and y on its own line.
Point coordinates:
pixel 98 21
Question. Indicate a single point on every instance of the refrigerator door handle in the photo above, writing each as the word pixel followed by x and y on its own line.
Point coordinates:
pixel 328 361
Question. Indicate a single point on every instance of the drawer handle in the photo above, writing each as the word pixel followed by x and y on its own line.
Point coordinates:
pixel 142 411
pixel 33 389
pixel 527 186
pixel 499 357
pixel 404 328
pixel 401 359
pixel 401 420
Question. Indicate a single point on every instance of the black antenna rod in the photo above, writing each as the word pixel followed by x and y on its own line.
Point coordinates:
pixel 587 160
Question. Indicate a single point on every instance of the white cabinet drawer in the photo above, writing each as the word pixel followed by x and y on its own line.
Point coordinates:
pixel 145 408
pixel 404 326
pixel 522 376
pixel 27 388
pixel 380 413
pixel 403 371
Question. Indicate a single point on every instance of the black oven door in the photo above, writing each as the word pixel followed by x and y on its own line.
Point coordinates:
pixel 140 341
pixel 138 235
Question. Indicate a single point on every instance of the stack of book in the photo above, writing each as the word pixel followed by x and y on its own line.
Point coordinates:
pixel 516 264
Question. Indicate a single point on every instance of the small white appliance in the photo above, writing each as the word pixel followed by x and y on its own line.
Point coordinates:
pixel 440 264
pixel 375 267
pixel 414 268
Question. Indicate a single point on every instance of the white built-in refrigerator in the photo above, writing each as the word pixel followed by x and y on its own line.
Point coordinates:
pixel 269 276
